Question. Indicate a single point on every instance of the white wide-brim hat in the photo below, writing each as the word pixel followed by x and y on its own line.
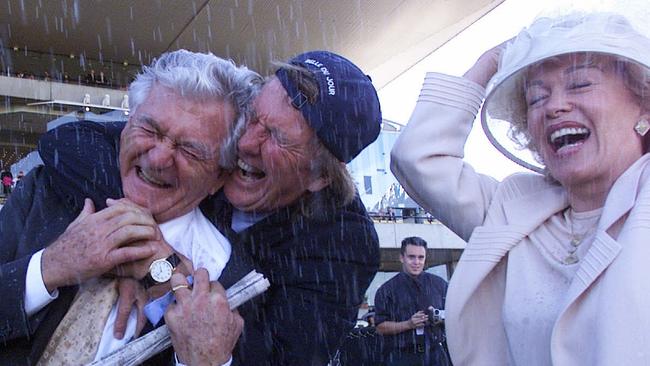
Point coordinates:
pixel 505 104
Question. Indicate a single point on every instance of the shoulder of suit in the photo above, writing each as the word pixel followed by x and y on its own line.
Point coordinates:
pixel 521 184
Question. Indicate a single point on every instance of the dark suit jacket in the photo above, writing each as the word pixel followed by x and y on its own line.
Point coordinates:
pixel 34 216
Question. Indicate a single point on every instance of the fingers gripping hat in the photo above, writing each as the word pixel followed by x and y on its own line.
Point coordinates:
pixel 505 105
pixel 346 115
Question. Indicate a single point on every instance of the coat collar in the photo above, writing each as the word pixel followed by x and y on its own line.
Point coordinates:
pixel 522 214
pixel 621 199
pixel 527 212
pixel 490 243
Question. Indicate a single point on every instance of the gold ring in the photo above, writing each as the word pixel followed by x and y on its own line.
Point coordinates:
pixel 177 287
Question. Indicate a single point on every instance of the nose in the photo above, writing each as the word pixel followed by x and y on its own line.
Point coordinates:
pixel 557 104
pixel 160 156
pixel 252 139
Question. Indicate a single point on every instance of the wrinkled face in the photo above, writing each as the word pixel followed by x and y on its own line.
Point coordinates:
pixel 581 118
pixel 413 259
pixel 169 152
pixel 275 153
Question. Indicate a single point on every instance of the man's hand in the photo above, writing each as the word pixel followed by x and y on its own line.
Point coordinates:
pixel 130 293
pixel 95 242
pixel 139 269
pixel 203 329
pixel 418 320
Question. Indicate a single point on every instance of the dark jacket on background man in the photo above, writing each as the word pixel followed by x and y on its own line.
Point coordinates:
pixel 401 297
pixel 319 267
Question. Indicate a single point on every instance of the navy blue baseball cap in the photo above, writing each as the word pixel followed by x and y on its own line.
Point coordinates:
pixel 346 115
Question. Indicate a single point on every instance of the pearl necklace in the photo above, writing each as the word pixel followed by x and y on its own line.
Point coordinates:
pixel 576 238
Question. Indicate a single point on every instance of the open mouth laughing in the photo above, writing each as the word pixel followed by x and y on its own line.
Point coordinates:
pixel 248 171
pixel 150 179
pixel 568 137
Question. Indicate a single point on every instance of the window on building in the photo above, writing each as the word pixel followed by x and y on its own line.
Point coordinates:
pixel 367 184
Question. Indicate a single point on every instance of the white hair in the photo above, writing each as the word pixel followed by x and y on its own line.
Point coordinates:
pixel 202 77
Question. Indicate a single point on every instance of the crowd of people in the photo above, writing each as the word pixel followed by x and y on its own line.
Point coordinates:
pixel 218 171
pixel 101 78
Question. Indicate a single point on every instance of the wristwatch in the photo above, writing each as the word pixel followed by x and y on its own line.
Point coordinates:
pixel 161 270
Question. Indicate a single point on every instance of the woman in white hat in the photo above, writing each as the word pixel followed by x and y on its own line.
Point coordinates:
pixel 557 265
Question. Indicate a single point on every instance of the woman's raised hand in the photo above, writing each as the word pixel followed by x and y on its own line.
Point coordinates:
pixel 486 65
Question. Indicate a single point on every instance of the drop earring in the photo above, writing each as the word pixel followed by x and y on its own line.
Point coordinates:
pixel 642 127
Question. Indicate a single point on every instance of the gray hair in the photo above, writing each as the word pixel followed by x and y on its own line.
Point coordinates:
pixel 341 185
pixel 202 77
pixel 340 190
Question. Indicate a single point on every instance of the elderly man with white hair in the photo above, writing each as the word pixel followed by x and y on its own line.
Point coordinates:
pixel 58 248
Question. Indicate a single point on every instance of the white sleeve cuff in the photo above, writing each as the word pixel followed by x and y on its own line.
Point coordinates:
pixel 36 294
pixel 182 364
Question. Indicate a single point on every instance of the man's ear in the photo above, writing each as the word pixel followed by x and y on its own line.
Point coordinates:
pixel 317 184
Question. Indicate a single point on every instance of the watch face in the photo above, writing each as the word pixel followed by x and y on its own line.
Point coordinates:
pixel 161 270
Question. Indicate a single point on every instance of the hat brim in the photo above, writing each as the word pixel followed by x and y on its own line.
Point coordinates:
pixel 505 105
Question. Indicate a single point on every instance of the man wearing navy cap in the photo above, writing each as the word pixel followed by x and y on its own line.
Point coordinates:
pixel 291 206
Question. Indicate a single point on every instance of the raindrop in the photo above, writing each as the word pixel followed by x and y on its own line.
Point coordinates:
pixel 46 23
pixel 297 24
pixel 75 12
pixel 23 16
pixel 232 18
pixel 109 34
pixel 99 41
pixel 207 7
pixel 132 46
pixel 131 12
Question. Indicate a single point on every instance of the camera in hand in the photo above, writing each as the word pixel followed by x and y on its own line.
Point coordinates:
pixel 436 316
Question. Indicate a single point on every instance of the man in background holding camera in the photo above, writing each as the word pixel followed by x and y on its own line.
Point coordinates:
pixel 409 311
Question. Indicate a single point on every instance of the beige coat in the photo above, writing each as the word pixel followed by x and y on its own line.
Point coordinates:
pixel 605 319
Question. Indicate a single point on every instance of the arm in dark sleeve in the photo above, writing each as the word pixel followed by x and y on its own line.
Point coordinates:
pixel 17 245
pixel 334 266
pixel 82 158
pixel 382 306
